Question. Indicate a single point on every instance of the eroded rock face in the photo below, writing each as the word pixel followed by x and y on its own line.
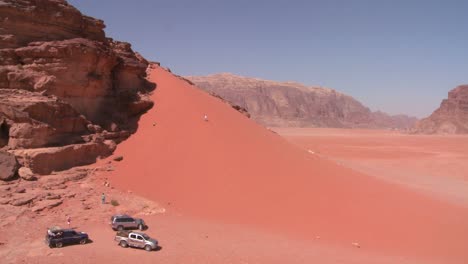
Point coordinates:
pixel 63 82
pixel 451 117
pixel 285 104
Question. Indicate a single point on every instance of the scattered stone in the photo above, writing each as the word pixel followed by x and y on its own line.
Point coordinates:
pixel 3 183
pixel 51 196
pixel 22 201
pixel 118 158
pixel 356 244
pixel 26 174
pixel 5 189
pixel 75 175
pixel 20 190
pixel 46 204
pixel 60 186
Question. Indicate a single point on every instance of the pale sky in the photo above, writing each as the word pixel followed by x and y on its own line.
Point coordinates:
pixel 395 56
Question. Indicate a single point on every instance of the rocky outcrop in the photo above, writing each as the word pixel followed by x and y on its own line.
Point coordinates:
pixel 47 160
pixel 450 118
pixel 286 104
pixel 63 82
pixel 8 166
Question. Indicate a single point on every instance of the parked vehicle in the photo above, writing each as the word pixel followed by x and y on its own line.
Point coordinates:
pixel 57 237
pixel 121 222
pixel 135 239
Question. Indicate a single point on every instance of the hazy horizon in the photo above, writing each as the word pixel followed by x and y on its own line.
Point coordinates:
pixel 399 57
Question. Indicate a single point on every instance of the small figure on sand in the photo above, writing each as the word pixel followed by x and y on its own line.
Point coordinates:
pixel 68 221
pixel 205 117
pixel 106 182
pixel 103 198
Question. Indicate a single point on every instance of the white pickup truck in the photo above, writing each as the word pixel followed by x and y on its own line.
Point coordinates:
pixel 136 239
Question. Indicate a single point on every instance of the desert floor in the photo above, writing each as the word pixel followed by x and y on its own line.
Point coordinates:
pixel 431 164
pixel 425 164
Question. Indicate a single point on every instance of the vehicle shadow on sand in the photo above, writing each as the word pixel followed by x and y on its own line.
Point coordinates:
pixel 90 241
pixel 158 248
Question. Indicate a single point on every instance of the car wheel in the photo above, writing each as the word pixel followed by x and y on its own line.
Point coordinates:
pixel 83 241
pixel 120 228
pixel 148 248
pixel 140 226
pixel 123 244
pixel 59 244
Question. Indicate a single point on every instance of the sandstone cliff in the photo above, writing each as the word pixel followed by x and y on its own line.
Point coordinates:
pixel 293 104
pixel 64 86
pixel 451 117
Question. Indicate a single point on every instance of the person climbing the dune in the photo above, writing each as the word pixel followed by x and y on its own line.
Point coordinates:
pixel 205 117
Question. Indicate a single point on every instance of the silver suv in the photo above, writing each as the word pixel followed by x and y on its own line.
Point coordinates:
pixel 121 222
pixel 136 239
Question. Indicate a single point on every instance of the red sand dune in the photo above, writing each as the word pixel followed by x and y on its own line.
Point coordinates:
pixel 231 170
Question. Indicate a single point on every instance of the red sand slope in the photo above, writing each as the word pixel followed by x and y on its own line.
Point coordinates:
pixel 232 170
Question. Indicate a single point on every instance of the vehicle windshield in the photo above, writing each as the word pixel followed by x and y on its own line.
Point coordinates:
pixel 146 237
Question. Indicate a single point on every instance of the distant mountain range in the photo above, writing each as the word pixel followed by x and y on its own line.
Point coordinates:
pixel 288 104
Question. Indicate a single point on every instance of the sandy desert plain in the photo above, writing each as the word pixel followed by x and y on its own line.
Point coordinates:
pixel 230 191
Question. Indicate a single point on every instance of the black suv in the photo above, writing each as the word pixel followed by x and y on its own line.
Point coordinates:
pixel 60 237
pixel 121 222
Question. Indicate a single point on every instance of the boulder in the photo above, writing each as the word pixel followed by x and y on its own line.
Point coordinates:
pixel 26 174
pixel 118 158
pixel 8 166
